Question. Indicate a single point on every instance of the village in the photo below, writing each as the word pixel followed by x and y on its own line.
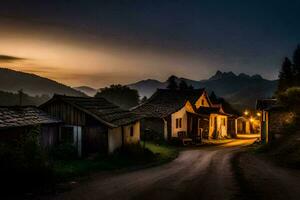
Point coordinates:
pixel 149 100
pixel 95 133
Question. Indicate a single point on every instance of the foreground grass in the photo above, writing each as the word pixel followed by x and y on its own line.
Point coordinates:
pixel 65 170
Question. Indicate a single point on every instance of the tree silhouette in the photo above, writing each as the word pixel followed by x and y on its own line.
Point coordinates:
pixel 172 84
pixel 144 99
pixel 213 97
pixel 286 76
pixel 191 87
pixel 296 66
pixel 122 96
pixel 183 85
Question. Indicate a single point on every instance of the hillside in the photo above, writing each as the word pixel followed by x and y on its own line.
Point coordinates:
pixel 12 81
pixel 240 90
pixel 13 99
pixel 86 90
pixel 147 87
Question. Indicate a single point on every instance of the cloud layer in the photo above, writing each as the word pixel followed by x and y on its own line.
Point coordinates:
pixel 7 58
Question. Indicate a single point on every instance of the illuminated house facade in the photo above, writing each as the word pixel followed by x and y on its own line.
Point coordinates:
pixel 177 114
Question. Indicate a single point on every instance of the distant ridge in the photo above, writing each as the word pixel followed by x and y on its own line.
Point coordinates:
pixel 87 90
pixel 12 81
pixel 240 90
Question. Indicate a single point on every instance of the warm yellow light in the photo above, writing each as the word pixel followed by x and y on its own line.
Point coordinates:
pixel 246 112
pixel 258 114
pixel 251 119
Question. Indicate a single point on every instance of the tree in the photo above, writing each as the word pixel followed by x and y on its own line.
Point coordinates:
pixel 286 76
pixel 183 85
pixel 191 87
pixel 291 98
pixel 172 84
pixel 144 99
pixel 296 66
pixel 213 97
pixel 122 96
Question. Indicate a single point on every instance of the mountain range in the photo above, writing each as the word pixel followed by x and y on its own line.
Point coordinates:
pixel 240 90
pixel 13 81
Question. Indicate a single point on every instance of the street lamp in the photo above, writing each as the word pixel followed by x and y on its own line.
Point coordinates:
pixel 246 112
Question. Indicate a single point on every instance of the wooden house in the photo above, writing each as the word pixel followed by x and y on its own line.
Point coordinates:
pixel 180 114
pixel 17 121
pixel 94 124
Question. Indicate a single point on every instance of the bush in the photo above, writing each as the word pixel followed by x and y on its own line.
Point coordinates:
pixel 64 152
pixel 24 165
pixel 134 152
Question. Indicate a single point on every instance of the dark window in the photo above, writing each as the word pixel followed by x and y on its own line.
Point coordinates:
pixel 178 122
pixel 131 131
pixel 202 102
pixel 66 135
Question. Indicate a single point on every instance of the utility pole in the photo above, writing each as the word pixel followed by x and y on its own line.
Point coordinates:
pixel 20 97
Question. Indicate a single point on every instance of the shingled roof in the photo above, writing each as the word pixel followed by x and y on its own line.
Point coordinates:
pixel 17 116
pixel 101 109
pixel 165 102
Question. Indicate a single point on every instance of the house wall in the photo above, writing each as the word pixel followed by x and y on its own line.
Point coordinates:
pixel 49 135
pixel 216 128
pixel 179 114
pixel 199 102
pixel 67 113
pixel 128 139
pixel 114 139
pixel 115 136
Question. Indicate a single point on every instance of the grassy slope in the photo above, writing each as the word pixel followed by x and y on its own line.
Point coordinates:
pixel 65 170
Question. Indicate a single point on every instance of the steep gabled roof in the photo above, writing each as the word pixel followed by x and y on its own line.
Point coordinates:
pixel 210 110
pixel 100 109
pixel 165 102
pixel 19 116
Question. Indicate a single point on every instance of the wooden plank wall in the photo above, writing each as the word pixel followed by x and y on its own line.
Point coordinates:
pixel 67 113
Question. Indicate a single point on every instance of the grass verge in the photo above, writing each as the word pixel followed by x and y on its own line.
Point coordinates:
pixel 68 169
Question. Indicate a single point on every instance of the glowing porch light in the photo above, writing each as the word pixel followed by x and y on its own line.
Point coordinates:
pixel 258 114
pixel 246 112
pixel 251 119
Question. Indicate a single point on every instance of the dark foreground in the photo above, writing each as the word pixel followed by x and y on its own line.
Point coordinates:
pixel 208 173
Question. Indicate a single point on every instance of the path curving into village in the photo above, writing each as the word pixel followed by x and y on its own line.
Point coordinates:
pixel 202 173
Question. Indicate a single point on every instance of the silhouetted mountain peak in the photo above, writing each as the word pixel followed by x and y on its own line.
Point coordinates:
pixel 256 76
pixel 221 75
pixel 243 75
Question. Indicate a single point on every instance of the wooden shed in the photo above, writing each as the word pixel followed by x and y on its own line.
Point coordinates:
pixel 16 121
pixel 92 124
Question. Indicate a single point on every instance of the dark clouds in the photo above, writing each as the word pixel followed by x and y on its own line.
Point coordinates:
pixel 243 36
pixel 7 58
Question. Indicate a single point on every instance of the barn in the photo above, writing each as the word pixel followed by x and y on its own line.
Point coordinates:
pixel 92 124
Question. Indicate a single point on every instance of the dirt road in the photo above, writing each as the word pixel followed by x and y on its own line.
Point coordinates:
pixel 262 179
pixel 204 173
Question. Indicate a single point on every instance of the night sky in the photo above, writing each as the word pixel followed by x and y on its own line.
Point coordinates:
pixel 97 43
